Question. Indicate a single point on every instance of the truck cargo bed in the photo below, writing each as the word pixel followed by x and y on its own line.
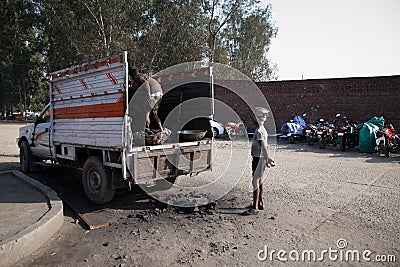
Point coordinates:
pixel 169 160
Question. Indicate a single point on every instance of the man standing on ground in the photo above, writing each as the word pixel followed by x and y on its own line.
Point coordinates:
pixel 261 160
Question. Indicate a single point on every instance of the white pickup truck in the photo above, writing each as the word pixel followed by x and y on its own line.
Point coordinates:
pixel 87 125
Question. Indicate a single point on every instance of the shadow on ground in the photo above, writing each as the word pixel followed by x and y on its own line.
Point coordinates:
pixel 337 153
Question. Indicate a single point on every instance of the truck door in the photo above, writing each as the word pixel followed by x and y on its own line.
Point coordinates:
pixel 41 134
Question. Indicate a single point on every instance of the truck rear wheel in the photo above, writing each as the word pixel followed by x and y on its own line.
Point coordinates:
pixel 96 179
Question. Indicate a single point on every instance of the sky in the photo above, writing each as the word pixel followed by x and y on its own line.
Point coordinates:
pixel 335 38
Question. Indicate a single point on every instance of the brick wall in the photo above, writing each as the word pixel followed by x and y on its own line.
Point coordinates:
pixel 357 98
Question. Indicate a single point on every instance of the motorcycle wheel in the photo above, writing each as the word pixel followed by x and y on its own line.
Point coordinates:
pixel 342 145
pixel 231 133
pixel 241 133
pixel 334 142
pixel 386 151
pixel 310 141
pixel 395 149
pixel 321 144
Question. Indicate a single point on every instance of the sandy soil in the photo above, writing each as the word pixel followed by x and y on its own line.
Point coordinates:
pixel 326 201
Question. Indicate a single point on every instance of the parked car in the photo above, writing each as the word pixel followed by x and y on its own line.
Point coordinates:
pixel 218 128
pixel 30 115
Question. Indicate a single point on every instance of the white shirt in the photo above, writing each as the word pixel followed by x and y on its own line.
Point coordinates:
pixel 260 134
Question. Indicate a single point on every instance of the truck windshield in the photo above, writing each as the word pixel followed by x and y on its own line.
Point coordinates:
pixel 44 116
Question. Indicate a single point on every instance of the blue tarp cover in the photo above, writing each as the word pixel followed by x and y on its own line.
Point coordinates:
pixel 295 127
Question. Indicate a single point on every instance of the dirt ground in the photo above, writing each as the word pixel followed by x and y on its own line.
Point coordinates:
pixel 323 208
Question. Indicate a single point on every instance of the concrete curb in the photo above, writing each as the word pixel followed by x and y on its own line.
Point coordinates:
pixel 31 238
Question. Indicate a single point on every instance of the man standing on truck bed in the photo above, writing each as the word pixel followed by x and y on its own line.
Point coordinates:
pixel 147 94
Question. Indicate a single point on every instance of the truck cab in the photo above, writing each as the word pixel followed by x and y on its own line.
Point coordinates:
pixel 34 140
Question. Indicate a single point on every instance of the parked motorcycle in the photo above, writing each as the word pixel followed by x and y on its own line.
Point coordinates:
pixel 387 140
pixel 311 136
pixel 327 134
pixel 348 134
pixel 311 131
pixel 236 129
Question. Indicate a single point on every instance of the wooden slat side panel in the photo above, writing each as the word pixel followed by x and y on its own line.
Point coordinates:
pixel 103 132
pixel 110 81
pixel 92 90
pixel 93 66
pixel 105 110
pixel 85 101
pixel 96 140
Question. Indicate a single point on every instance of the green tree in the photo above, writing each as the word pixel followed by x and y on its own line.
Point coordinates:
pixel 156 33
pixel 21 52
pixel 160 33
pixel 219 14
pixel 247 40
pixel 176 34
pixel 41 36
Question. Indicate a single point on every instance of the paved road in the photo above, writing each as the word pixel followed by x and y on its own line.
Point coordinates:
pixel 314 197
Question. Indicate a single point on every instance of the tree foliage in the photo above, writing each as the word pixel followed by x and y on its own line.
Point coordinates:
pixel 247 40
pixel 41 36
pixel 21 54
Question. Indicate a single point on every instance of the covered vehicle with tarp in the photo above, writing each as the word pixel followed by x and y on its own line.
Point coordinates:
pixel 367 141
pixel 296 126
pixel 294 129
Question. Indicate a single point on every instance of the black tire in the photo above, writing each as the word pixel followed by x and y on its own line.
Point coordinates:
pixel 215 132
pixel 25 157
pixel 291 140
pixel 342 144
pixel 231 134
pixel 171 180
pixel 321 144
pixel 386 151
pixel 394 149
pixel 310 141
pixel 96 179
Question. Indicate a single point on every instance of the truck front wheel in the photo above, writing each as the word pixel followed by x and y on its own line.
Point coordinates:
pixel 96 180
pixel 25 157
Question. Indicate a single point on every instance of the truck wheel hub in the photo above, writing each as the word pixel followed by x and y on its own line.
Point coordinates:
pixel 94 180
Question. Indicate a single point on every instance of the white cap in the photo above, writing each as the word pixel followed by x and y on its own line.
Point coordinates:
pixel 259 111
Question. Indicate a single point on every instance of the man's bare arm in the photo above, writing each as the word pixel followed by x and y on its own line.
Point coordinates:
pixel 265 151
